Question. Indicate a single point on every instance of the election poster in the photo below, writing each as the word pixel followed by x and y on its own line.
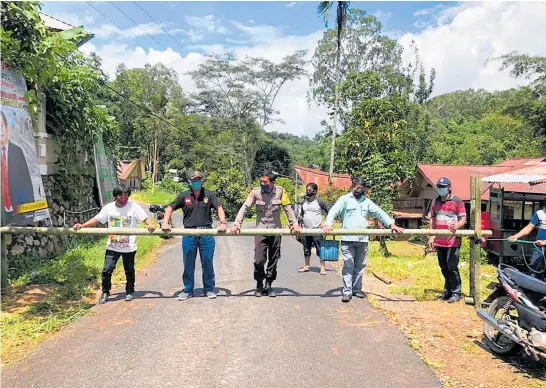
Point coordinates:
pixel 23 198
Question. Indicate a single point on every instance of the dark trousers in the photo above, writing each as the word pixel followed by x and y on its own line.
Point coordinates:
pixel 267 249
pixel 110 260
pixel 448 259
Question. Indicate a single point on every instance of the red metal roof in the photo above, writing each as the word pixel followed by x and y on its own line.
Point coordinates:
pixel 521 162
pixel 309 175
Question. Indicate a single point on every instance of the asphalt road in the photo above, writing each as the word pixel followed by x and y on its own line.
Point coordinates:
pixel 303 338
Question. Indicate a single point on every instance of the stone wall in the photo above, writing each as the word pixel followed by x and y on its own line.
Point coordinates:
pixel 29 246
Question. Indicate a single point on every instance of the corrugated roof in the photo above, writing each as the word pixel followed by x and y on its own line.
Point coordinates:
pixel 530 175
pixel 521 162
pixel 310 175
pixel 125 169
pixel 57 25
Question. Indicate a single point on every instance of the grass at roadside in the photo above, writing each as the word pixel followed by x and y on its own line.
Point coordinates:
pixel 156 197
pixel 419 276
pixel 56 292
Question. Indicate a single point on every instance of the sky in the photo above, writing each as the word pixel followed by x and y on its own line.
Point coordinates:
pixel 454 38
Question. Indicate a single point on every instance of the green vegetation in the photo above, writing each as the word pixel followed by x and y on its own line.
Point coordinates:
pixel 51 294
pixel 414 275
pixel 153 197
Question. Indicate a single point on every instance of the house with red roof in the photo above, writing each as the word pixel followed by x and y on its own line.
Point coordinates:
pixel 416 196
pixel 131 174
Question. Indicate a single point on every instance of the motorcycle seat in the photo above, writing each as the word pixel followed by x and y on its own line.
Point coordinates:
pixel 526 281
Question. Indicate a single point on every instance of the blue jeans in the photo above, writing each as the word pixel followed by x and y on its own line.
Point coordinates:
pixel 206 245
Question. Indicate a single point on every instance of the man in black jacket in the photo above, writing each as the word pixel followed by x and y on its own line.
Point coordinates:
pixel 17 186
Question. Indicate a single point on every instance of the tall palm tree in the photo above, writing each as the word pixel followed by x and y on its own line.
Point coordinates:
pixel 323 10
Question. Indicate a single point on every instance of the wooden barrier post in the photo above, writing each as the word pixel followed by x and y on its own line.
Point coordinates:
pixel 475 249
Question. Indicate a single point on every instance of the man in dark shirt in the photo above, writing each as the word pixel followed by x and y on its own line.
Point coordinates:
pixel 197 206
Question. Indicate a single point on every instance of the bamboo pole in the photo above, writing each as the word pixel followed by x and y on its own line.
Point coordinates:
pixel 243 232
pixel 475 249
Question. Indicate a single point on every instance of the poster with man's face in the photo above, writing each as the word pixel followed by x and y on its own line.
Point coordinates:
pixel 23 200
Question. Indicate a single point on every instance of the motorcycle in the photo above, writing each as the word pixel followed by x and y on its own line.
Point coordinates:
pixel 159 214
pixel 516 316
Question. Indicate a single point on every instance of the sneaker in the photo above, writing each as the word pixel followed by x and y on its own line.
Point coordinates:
pixel 259 292
pixel 103 298
pixel 270 292
pixel 211 295
pixel 185 295
pixel 346 298
pixel 359 294
pixel 129 297
pixel 455 298
pixel 445 296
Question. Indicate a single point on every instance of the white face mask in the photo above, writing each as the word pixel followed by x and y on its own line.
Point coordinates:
pixel 442 191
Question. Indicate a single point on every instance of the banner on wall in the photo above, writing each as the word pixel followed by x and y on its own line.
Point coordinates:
pixel 107 176
pixel 23 199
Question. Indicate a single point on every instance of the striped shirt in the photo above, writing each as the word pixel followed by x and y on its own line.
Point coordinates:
pixel 444 214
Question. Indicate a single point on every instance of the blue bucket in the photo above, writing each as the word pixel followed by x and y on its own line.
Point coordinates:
pixel 329 250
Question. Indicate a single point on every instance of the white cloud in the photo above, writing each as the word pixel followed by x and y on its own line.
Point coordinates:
pixel 382 15
pixel 207 23
pixel 291 4
pixel 299 118
pixel 259 33
pixel 461 38
pixel 251 21
pixel 110 31
pixel 457 43
pixel 428 11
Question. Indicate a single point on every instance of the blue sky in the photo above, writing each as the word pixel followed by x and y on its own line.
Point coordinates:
pixel 292 18
pixel 454 38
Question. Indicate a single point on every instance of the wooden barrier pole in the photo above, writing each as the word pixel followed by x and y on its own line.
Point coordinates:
pixel 244 232
pixel 475 249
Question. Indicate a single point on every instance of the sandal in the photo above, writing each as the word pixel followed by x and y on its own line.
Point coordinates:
pixel 323 272
pixel 303 269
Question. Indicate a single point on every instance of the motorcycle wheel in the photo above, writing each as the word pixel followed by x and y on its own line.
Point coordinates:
pixel 498 343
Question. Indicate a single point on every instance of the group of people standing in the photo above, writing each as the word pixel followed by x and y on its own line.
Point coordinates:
pixel 352 209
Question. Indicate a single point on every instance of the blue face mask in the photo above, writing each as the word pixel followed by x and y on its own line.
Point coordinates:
pixel 265 188
pixel 443 191
pixel 196 185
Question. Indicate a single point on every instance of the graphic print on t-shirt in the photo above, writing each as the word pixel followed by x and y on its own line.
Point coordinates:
pixel 119 222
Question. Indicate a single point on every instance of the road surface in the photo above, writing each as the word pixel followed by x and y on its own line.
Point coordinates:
pixel 303 338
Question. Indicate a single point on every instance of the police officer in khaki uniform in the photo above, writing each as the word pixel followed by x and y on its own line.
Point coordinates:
pixel 268 199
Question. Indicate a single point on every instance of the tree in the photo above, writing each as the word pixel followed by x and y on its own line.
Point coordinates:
pixel 245 92
pixel 271 157
pixel 230 188
pixel 530 67
pixel 341 19
pixel 145 130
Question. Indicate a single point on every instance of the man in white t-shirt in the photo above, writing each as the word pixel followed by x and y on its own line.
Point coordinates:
pixel 119 214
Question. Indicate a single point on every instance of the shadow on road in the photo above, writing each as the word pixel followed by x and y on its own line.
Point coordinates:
pixel 224 292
